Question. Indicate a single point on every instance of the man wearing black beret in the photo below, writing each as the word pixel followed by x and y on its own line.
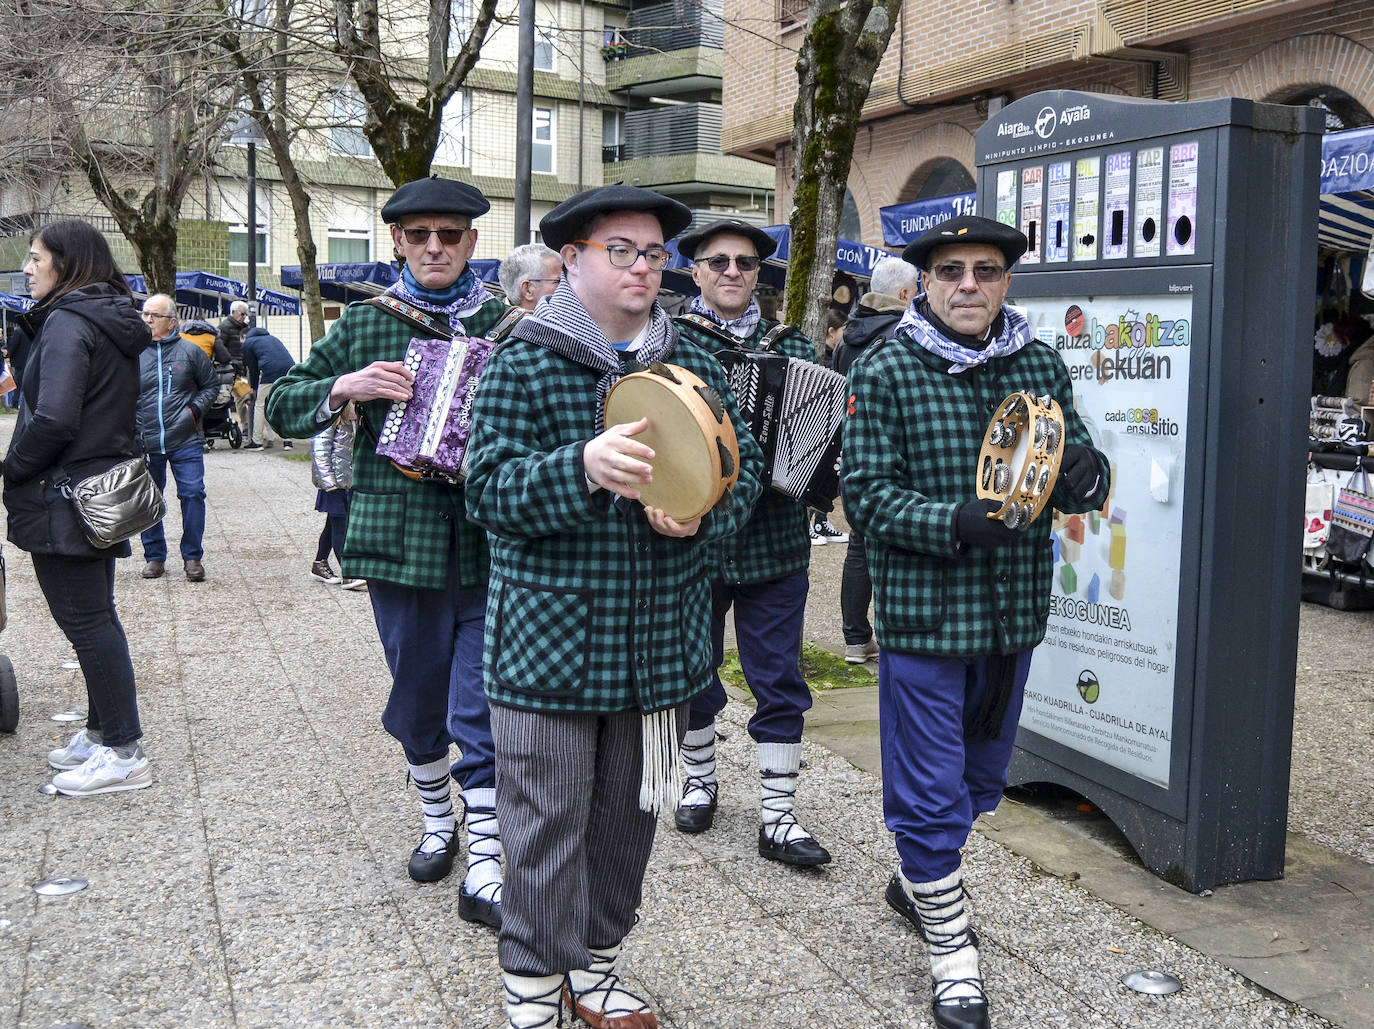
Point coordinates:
pixel 425 565
pixel 599 634
pixel 961 598
pixel 761 572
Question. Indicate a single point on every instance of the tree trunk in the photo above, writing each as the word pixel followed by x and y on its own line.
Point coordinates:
pixel 835 67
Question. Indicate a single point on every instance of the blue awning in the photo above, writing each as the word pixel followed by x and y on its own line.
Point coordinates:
pixel 904 222
pixel 10 302
pixel 854 258
pixel 1345 220
pixel 205 291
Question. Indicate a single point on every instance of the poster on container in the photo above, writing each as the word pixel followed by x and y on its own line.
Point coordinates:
pixel 1102 683
pixel 1032 211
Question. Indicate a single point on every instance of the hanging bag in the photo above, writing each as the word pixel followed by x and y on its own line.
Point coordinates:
pixel 1352 519
pixel 1316 522
pixel 115 504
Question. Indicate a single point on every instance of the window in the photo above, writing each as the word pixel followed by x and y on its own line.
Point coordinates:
pixel 545 39
pixel 453 131
pixel 255 12
pixel 459 24
pixel 347 111
pixel 542 146
pixel 349 246
pixel 238 244
pixel 612 136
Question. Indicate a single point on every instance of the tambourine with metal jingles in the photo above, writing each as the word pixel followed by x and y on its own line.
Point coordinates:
pixel 1020 459
pixel 696 452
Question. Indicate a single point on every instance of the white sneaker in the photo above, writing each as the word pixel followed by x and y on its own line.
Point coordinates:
pixel 105 772
pixel 77 750
pixel 858 653
pixel 354 584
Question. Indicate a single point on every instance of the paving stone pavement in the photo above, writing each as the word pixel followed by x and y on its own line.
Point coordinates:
pixel 261 881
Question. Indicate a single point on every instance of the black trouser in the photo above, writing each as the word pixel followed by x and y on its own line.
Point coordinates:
pixel 332 537
pixel 856 591
pixel 80 595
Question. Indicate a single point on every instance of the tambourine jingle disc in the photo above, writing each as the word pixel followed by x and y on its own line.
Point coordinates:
pixel 686 475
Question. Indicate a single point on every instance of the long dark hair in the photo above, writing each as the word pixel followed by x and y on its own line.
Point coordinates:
pixel 80 256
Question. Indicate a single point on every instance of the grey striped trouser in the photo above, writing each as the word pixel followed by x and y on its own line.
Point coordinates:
pixel 576 842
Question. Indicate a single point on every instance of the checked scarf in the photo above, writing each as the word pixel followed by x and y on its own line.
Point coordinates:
pixel 456 302
pixel 743 326
pixel 1015 335
pixel 560 323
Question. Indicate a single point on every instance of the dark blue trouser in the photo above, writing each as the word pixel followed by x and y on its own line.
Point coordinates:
pixel 188 469
pixel 768 632
pixel 80 595
pixel 935 780
pixel 433 645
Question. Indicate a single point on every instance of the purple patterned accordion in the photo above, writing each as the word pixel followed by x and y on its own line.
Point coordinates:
pixel 429 432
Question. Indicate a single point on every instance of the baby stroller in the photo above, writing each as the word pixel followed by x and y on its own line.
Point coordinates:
pixel 219 421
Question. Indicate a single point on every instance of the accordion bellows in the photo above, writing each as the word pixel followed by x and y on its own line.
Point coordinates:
pixel 795 410
pixel 429 432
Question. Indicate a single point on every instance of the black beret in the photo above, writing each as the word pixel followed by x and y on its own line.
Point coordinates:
pixel 565 222
pixel 763 243
pixel 435 196
pixel 968 228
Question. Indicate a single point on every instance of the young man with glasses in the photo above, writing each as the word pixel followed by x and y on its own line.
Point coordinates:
pixel 425 564
pixel 599 633
pixel 961 599
pixel 177 384
pixel 762 571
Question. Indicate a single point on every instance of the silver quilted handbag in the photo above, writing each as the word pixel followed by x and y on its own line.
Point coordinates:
pixel 115 504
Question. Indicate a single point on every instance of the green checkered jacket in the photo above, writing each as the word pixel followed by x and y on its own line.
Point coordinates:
pixel 590 609
pixel 911 445
pixel 399 530
pixel 776 541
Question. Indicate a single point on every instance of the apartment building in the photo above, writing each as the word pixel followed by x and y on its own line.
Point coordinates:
pixel 623 91
pixel 948 64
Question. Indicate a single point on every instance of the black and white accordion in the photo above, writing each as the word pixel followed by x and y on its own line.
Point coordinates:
pixel 795 411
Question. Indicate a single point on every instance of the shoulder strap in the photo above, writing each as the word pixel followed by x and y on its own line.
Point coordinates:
pixel 700 321
pixel 773 335
pixel 436 325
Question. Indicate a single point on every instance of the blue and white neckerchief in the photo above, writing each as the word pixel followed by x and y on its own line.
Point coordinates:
pixel 742 327
pixel 1015 334
pixel 456 302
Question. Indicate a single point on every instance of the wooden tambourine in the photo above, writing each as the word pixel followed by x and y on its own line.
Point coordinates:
pixel 1019 462
pixel 696 451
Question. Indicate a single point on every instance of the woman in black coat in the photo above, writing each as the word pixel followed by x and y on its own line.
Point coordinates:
pixel 75 358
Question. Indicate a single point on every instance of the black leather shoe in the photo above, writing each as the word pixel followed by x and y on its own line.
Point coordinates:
pixel 436 865
pixel 195 571
pixel 897 900
pixel 475 908
pixel 805 852
pixel 697 818
pixel 154 570
pixel 963 1014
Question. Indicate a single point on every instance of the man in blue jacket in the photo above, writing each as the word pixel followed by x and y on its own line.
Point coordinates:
pixel 266 360
pixel 176 385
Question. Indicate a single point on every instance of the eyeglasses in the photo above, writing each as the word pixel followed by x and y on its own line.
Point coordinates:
pixel 956 272
pixel 623 256
pixel 720 262
pixel 158 314
pixel 448 237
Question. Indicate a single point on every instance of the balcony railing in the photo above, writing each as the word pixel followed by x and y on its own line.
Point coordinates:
pixel 680 129
pixel 661 28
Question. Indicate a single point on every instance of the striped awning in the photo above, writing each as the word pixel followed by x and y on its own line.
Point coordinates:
pixel 1346 218
pixel 1346 221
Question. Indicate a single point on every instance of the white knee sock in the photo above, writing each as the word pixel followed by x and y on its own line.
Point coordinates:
pixel 699 764
pixel 598 987
pixel 533 1001
pixel 953 957
pixel 778 767
pixel 484 844
pixel 436 797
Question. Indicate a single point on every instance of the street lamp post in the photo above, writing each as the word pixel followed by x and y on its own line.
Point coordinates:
pixel 249 132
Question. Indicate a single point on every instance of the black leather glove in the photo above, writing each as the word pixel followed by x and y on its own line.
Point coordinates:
pixel 1080 471
pixel 973 526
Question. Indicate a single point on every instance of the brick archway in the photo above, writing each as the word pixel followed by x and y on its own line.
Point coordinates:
pixel 1302 62
pixel 877 187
